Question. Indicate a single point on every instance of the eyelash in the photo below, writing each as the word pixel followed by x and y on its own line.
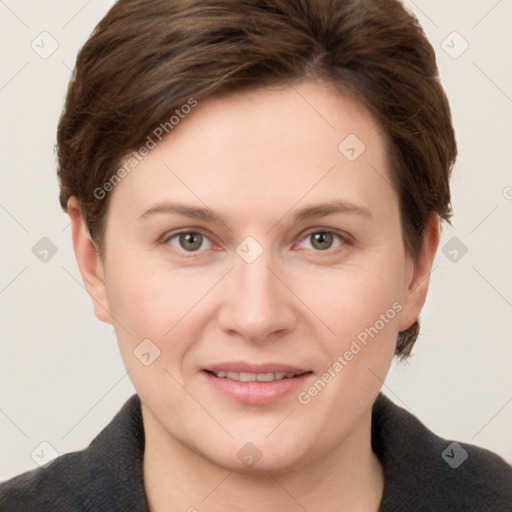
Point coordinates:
pixel 344 238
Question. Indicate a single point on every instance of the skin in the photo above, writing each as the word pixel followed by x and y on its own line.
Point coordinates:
pixel 255 159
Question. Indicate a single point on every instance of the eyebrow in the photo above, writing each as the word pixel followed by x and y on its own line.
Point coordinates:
pixel 309 212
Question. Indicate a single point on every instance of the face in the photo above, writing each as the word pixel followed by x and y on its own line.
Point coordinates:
pixel 255 273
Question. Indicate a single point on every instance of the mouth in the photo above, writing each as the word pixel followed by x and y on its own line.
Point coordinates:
pixel 254 377
pixel 256 384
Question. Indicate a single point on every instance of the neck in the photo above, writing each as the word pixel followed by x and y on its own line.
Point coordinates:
pixel 349 478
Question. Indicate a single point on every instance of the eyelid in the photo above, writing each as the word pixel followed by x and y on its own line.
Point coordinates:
pixel 342 234
pixel 169 235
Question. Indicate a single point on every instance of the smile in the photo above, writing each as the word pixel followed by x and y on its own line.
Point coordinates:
pixel 256 384
pixel 254 377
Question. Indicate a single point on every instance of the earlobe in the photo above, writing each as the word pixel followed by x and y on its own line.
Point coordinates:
pixel 419 278
pixel 89 261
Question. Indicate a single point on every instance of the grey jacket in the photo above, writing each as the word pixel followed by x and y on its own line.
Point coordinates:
pixel 423 473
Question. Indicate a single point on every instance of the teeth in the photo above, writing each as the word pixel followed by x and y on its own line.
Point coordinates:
pixel 265 377
pixel 253 377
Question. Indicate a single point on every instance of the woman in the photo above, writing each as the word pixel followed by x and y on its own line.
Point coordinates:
pixel 256 190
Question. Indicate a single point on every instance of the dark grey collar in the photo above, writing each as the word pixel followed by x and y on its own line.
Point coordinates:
pixel 107 476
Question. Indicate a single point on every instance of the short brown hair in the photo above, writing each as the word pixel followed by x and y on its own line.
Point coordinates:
pixel 148 58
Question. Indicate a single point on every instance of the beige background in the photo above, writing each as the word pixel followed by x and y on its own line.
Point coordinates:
pixel 61 377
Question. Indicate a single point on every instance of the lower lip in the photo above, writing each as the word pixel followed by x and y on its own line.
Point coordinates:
pixel 257 393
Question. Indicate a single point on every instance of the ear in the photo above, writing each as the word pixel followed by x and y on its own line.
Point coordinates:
pixel 418 277
pixel 89 261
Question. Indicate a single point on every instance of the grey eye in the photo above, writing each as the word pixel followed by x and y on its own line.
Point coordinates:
pixel 321 241
pixel 189 241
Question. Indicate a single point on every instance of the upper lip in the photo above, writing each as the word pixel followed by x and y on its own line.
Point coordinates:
pixel 243 367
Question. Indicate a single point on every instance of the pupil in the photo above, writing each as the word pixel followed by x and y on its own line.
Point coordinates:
pixel 191 241
pixel 322 241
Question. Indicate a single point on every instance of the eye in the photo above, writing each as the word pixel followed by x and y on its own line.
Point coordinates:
pixel 322 240
pixel 189 241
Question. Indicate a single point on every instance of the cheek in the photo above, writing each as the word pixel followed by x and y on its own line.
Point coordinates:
pixel 147 308
pixel 361 306
pixel 156 303
pixel 355 297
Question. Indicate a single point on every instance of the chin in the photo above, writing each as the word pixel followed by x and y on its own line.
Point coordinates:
pixel 275 463
pixel 259 456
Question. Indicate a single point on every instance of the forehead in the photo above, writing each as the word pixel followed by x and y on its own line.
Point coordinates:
pixel 266 150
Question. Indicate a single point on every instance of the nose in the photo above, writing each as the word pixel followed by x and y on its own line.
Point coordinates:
pixel 257 304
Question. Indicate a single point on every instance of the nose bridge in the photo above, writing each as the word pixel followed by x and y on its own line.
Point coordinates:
pixel 257 304
pixel 255 281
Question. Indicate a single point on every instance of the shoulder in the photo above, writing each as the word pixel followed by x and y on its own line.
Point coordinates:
pixel 45 488
pixel 105 476
pixel 424 472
